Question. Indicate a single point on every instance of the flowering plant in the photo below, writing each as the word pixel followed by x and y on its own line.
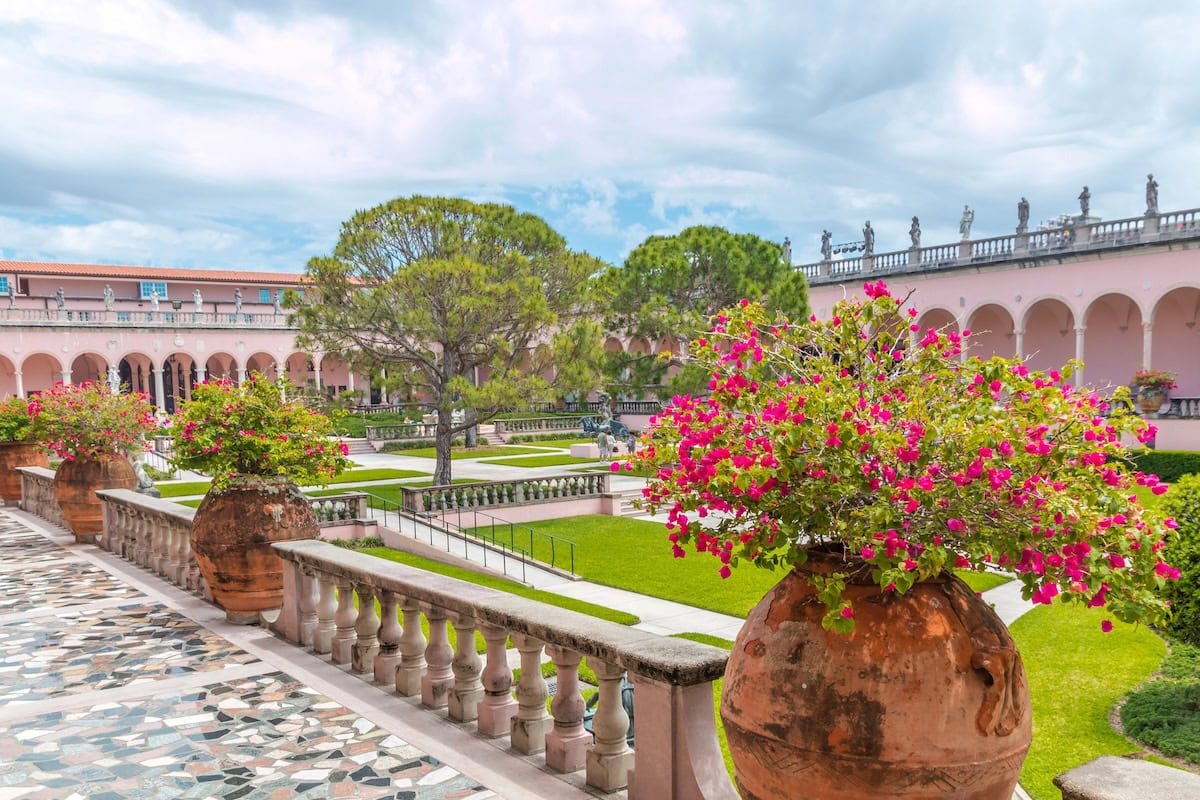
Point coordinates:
pixel 90 421
pixel 1158 380
pixel 16 420
pixel 253 429
pixel 866 434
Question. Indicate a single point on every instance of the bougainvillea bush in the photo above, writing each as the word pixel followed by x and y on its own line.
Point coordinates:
pixel 867 434
pixel 90 421
pixel 226 430
pixel 16 420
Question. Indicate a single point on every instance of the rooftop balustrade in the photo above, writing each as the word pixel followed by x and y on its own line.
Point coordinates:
pixel 89 312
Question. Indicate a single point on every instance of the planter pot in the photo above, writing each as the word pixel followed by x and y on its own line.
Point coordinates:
pixel 1151 400
pixel 75 487
pixel 232 534
pixel 926 699
pixel 13 455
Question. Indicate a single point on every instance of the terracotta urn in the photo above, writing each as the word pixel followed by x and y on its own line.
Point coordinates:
pixel 1151 400
pixel 232 534
pixel 75 485
pixel 927 698
pixel 13 455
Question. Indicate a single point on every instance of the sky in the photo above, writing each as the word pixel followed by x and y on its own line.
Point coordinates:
pixel 239 135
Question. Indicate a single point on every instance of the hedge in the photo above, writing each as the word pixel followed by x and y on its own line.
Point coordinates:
pixel 1168 465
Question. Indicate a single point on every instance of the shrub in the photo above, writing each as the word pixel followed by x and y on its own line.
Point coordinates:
pixel 1183 503
pixel 398 445
pixel 1165 714
pixel 16 420
pixel 89 421
pixel 1168 465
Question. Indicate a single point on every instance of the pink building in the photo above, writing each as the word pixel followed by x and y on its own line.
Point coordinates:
pixel 1117 295
pixel 156 330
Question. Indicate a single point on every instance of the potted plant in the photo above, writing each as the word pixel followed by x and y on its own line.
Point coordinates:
pixel 93 430
pixel 259 448
pixel 863 454
pixel 17 446
pixel 1153 386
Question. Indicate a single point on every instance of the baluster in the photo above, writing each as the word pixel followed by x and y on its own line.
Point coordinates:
pixel 346 616
pixel 463 703
pixel 171 535
pixel 530 725
pixel 307 599
pixel 498 707
pixel 326 611
pixel 366 627
pixel 388 657
pixel 194 579
pixel 412 650
pixel 610 759
pixel 162 546
pixel 567 743
pixel 438 678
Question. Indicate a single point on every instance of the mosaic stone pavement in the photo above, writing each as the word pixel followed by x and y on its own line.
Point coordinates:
pixel 263 737
pixel 267 737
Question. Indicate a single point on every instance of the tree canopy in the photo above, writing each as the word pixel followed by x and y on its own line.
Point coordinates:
pixel 672 285
pixel 449 296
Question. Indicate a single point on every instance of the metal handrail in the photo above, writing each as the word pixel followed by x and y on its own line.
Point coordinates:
pixel 488 533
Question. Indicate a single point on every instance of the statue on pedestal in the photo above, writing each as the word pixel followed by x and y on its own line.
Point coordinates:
pixel 964 223
pixel 60 299
pixel 868 239
pixel 198 300
pixel 108 297
pixel 144 484
pixel 1085 201
pixel 12 296
pixel 1151 195
pixel 914 232
pixel 154 300
pixel 787 251
pixel 278 300
pixel 237 300
pixel 1022 215
pixel 826 245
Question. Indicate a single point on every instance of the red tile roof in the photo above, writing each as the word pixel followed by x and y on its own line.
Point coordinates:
pixel 160 273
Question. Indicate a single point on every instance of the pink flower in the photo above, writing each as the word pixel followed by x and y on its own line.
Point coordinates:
pixel 847 612
pixel 1106 626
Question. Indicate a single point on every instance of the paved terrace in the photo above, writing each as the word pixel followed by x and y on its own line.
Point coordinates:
pixel 115 684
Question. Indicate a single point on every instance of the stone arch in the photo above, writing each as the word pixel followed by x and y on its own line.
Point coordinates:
pixel 638 345
pixel 40 371
pixel 300 369
pixel 613 345
pixel 1175 337
pixel 1112 348
pixel 992 332
pixel 1049 334
pixel 8 378
pixel 264 363
pixel 938 318
pixel 88 366
pixel 179 375
pixel 221 366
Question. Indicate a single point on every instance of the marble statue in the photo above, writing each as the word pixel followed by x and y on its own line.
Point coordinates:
pixel 1085 201
pixel 12 296
pixel 278 300
pixel 868 239
pixel 1022 215
pixel 826 245
pixel 964 223
pixel 144 484
pixel 60 299
pixel 787 251
pixel 154 299
pixel 1151 195
pixel 237 300
pixel 108 297
pixel 914 232
pixel 198 300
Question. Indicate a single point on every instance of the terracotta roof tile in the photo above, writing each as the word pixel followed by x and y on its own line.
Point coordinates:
pixel 161 273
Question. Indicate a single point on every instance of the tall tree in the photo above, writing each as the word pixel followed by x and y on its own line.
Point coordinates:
pixel 442 293
pixel 672 285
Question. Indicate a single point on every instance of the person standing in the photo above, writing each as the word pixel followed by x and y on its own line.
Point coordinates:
pixel 602 441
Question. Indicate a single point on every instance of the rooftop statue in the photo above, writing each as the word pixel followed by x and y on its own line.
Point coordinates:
pixel 914 232
pixel 1085 201
pixel 1022 215
pixel 108 297
pixel 826 245
pixel 868 239
pixel 964 224
pixel 1151 195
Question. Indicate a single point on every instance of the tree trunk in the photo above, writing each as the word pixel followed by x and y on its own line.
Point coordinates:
pixel 441 469
pixel 472 433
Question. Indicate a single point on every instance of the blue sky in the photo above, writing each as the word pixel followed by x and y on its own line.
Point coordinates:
pixel 240 135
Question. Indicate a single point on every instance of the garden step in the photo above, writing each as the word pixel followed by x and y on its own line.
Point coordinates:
pixel 358 446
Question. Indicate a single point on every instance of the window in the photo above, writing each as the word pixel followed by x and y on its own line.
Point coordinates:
pixel 148 287
pixel 3 284
pixel 264 295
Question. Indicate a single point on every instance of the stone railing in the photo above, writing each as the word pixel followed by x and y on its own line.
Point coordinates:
pixel 413 430
pixel 496 494
pixel 536 424
pixel 135 316
pixel 37 494
pixel 673 698
pixel 1083 236
pixel 1182 407
pixel 339 509
pixel 155 534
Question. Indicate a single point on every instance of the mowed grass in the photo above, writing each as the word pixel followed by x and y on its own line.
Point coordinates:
pixel 1076 675
pixel 464 453
pixel 551 460
pixel 563 442
pixel 349 476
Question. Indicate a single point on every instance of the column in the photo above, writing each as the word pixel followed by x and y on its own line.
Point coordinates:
pixel 350 381
pixel 241 375
pixel 1147 340
pixel 317 372
pixel 1079 355
pixel 201 373
pixel 66 376
pixel 1019 335
pixel 114 379
pixel 159 393
pixel 20 384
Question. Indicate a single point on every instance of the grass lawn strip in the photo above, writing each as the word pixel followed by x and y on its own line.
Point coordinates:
pixel 553 460
pixel 1076 675
pixel 186 488
pixel 463 453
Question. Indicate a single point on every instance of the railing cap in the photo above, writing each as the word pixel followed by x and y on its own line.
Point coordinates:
pixel 37 472
pixel 1113 778
pixel 675 661
pixel 165 507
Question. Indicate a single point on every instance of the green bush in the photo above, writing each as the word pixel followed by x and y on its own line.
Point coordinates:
pixel 398 445
pixel 1183 552
pixel 1168 465
pixel 1183 663
pixel 1165 714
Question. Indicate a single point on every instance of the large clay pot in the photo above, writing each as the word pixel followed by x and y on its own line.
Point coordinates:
pixel 927 698
pixel 75 485
pixel 13 455
pixel 1151 400
pixel 232 534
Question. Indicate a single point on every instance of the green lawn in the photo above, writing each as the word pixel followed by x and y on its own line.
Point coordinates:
pixel 182 489
pixel 550 460
pixel 462 453
pixel 349 476
pixel 563 443
pixel 1076 676
pixel 982 581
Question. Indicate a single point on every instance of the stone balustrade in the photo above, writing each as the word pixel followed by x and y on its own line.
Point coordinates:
pixel 996 248
pixel 153 533
pixel 673 678
pixel 494 494
pixel 414 430
pixel 1183 407
pixel 37 494
pixel 340 508
pixel 537 424
pixel 138 316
